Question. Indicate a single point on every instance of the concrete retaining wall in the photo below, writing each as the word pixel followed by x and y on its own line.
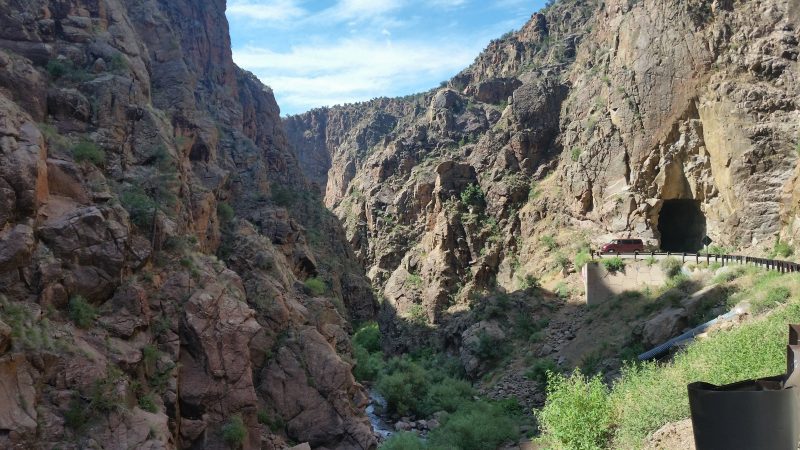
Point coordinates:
pixel 602 285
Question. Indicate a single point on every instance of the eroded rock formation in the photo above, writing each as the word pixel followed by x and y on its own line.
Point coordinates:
pixel 155 236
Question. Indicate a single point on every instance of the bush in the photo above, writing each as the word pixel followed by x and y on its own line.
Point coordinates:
pixel 369 337
pixel 147 403
pixel 671 266
pixel 472 196
pixel 64 68
pixel 782 249
pixel 316 286
pixel 549 242
pixel 539 369
pixel 615 264
pixel 81 312
pixel 581 259
pixel 234 432
pixel 88 151
pixel 403 441
pixel 578 411
pixel 776 296
pixel 404 386
pixel 140 206
pixel 478 426
pixel 448 395
pixel 77 416
pixel 368 365
pixel 529 282
pixel 225 212
pixel 575 153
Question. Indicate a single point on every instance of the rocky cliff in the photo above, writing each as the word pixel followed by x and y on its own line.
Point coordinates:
pixel 168 279
pixel 665 120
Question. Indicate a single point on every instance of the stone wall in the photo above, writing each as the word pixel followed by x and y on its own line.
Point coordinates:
pixel 601 285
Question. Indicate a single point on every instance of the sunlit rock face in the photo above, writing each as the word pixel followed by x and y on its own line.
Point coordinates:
pixel 594 118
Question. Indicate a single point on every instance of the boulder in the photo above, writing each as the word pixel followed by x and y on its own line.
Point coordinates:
pixel 664 326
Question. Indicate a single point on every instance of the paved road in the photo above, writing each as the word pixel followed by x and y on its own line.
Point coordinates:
pixel 770 264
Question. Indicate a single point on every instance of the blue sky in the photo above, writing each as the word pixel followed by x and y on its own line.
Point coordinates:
pixel 322 53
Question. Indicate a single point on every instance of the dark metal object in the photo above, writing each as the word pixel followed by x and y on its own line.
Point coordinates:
pixel 752 414
pixel 761 414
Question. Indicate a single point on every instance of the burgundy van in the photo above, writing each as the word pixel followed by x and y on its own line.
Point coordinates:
pixel 623 246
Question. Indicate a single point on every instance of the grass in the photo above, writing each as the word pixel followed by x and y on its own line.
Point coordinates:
pixel 581 259
pixel 549 242
pixel 234 432
pixel 81 312
pixel 316 286
pixel 671 266
pixel 88 151
pixel 578 412
pixel 615 264
pixel 650 395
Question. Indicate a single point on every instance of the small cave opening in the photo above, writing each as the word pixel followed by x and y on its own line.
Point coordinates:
pixel 682 226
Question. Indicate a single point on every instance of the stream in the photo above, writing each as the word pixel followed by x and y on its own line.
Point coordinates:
pixel 377 404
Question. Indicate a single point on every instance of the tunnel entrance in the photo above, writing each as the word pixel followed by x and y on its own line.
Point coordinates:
pixel 682 226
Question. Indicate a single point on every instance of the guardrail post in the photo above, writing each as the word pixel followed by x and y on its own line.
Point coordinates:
pixel 636 255
pixel 683 257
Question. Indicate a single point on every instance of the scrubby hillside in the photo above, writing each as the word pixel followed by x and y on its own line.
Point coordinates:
pixel 167 278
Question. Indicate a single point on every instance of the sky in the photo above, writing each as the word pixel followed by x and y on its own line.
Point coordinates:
pixel 323 53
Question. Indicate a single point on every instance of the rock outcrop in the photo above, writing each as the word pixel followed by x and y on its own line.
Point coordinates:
pixel 155 236
pixel 594 120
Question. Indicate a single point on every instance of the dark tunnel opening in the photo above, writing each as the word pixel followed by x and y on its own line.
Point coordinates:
pixel 682 226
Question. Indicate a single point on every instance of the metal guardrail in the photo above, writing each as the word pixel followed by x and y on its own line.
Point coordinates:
pixel 769 264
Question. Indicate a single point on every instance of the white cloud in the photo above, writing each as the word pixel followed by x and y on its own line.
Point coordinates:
pixel 269 10
pixel 352 69
pixel 448 3
pixel 356 10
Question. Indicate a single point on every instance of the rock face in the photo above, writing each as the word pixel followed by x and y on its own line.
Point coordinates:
pixel 596 118
pixel 155 234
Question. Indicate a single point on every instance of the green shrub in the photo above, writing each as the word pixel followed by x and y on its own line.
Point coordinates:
pixel 140 206
pixel 403 441
pixel 549 242
pixel 316 286
pixel 81 312
pixel 615 264
pixel 575 153
pixel 477 426
pixel 88 151
pixel 539 369
pixel 581 259
pixel 64 68
pixel 147 403
pixel 77 416
pixel 414 280
pixel 562 261
pixel 404 386
pixel 671 266
pixel 369 337
pixel 283 196
pixel 578 412
pixel 275 424
pixel 782 249
pixel 775 296
pixel 489 348
pixel 234 432
pixel 225 212
pixel 449 395
pixel 529 282
pixel 368 365
pixel 472 196
pixel 417 315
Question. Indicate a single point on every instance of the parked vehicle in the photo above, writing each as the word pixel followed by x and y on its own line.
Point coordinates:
pixel 623 246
